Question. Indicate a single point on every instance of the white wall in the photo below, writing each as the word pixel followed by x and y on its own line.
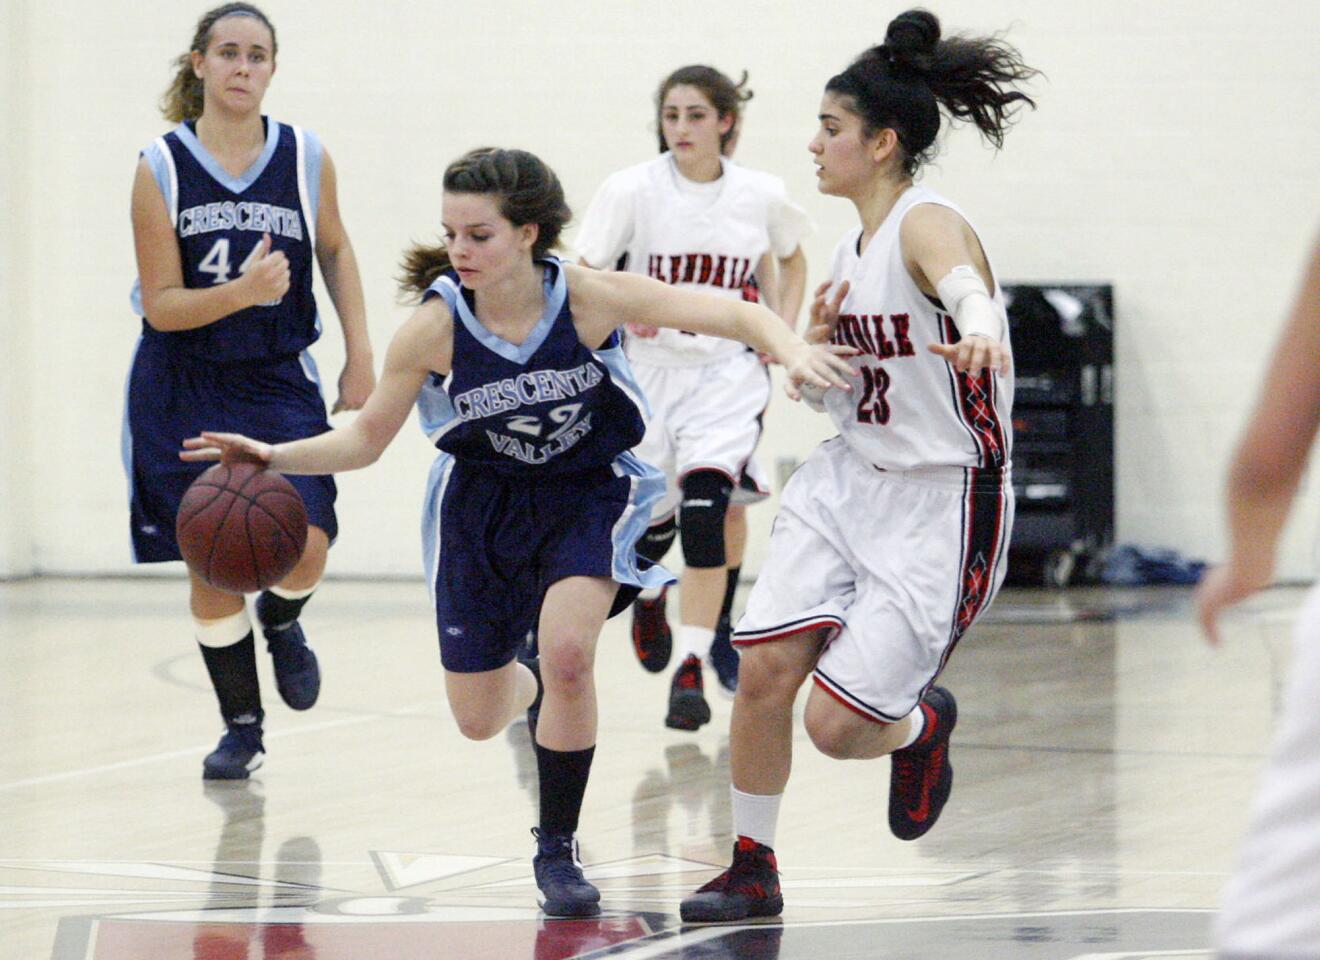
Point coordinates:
pixel 16 529
pixel 1173 155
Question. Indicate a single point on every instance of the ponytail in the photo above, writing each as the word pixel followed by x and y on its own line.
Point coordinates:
pixel 902 84
pixel 421 267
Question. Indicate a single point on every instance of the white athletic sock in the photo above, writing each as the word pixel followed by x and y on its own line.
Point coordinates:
pixel 223 631
pixel 694 641
pixel 756 816
pixel 916 726
pixel 295 594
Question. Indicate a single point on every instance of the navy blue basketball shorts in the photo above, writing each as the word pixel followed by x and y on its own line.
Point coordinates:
pixel 493 546
pixel 171 397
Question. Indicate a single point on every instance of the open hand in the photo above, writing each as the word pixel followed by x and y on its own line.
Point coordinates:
pixel 227 448
pixel 1221 588
pixel 818 365
pixel 974 353
pixel 825 312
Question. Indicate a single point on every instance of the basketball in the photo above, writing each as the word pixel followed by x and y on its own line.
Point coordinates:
pixel 241 527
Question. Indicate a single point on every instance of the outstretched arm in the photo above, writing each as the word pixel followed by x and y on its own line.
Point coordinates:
pixel 339 266
pixel 604 301
pixel 1269 461
pixel 423 344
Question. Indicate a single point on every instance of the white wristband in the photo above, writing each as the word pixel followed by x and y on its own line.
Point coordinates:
pixel 963 293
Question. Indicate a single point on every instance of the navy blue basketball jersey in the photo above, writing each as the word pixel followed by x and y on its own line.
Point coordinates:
pixel 548 406
pixel 219 221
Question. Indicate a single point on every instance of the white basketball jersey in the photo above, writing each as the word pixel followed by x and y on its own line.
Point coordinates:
pixel 909 408
pixel 667 233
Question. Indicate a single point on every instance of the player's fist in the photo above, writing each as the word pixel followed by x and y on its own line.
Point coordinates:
pixel 266 274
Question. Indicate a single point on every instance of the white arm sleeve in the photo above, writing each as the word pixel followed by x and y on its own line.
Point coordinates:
pixel 963 293
pixel 607 229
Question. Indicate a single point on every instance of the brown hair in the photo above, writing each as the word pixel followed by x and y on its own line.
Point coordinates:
pixel 183 100
pixel 902 84
pixel 724 95
pixel 529 192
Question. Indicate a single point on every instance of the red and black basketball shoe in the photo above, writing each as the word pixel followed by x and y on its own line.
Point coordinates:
pixel 921 776
pixel 688 708
pixel 653 641
pixel 749 888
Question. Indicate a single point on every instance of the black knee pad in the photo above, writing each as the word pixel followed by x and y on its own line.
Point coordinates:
pixel 701 517
pixel 657 540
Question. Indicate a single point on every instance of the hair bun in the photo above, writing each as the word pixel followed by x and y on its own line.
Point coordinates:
pixel 914 31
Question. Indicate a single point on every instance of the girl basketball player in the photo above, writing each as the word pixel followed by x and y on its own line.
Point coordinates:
pixel 228 209
pixel 536 503
pixel 692 218
pixel 903 519
pixel 1269 907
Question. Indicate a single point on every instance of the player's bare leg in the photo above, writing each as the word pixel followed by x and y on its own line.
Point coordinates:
pixel 572 615
pixel 921 776
pixel 485 703
pixel 761 756
pixel 701 593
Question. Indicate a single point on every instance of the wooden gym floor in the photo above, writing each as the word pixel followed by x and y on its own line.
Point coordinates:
pixel 1105 761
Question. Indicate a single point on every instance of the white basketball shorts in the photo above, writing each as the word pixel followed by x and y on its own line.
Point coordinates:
pixel 896 566
pixel 1271 905
pixel 702 418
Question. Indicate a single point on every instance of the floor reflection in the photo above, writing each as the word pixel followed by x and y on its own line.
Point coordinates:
pixel 297 863
pixel 685 801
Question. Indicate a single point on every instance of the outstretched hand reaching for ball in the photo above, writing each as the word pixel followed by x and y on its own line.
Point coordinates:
pixel 227 448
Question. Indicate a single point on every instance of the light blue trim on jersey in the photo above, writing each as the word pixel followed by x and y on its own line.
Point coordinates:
pixel 556 292
pixel 161 165
pixel 212 166
pixel 436 483
pixel 435 410
pixel 648 487
pixel 311 370
pixel 312 167
pixel 620 370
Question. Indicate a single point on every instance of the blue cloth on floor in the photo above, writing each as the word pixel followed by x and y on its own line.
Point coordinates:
pixel 1128 565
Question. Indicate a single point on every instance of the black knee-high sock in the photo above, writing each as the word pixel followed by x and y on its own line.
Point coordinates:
pixel 730 589
pixel 276 613
pixel 233 671
pixel 563 775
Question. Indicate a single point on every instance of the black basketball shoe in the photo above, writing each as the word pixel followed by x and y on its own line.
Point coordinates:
pixel 653 641
pixel 921 776
pixel 239 752
pixel 724 658
pixel 566 892
pixel 297 674
pixel 749 888
pixel 688 708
